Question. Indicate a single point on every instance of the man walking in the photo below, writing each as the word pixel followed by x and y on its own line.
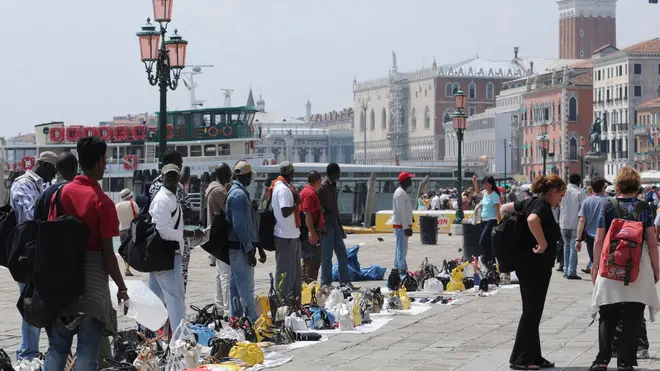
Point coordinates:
pixel 313 224
pixel 244 240
pixel 24 193
pixel 216 196
pixel 568 222
pixel 333 239
pixel 590 211
pixel 402 221
pixel 127 210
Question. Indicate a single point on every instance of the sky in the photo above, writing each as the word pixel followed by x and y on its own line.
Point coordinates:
pixel 77 61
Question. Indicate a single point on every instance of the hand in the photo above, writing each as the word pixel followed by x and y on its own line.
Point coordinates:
pixel 313 238
pixel 474 179
pixel 252 259
pixel 540 247
pixel 578 246
pixel 122 296
pixel 262 256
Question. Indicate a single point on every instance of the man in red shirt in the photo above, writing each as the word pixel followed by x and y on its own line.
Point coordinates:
pixel 313 224
pixel 91 316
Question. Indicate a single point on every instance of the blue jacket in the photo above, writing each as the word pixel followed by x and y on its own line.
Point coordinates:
pixel 241 216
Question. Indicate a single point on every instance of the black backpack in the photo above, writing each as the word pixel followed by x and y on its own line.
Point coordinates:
pixel 508 237
pixel 146 251
pixel 267 228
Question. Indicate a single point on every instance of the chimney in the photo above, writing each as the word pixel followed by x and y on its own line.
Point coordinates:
pixel 515 52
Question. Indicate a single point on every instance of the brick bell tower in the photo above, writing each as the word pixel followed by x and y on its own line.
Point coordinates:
pixel 585 26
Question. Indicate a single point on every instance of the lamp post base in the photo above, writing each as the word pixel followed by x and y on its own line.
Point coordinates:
pixel 459 216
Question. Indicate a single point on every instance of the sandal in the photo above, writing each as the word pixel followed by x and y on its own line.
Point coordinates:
pixel 598 367
pixel 524 367
pixel 546 364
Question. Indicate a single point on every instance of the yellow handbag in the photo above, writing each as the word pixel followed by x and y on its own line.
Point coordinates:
pixel 405 300
pixel 306 296
pixel 263 326
pixel 456 283
pixel 263 304
pixel 250 353
pixel 357 317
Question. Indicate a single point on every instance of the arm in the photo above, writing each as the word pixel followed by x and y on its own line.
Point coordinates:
pixel 309 221
pixel 652 243
pixel 110 263
pixel 184 199
pixel 507 208
pixel 162 217
pixel 23 201
pixel 475 184
pixel 580 232
pixel 109 228
pixel 238 206
pixel 598 249
pixel 534 223
pixel 286 201
pixel 497 212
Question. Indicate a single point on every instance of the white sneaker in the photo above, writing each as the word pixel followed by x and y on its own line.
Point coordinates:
pixel 643 354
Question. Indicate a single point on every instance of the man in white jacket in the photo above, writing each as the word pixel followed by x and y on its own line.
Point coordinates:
pixel 166 215
pixel 402 221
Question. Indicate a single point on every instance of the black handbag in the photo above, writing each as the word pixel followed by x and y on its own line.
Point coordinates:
pixel 218 243
pixel 146 251
pixel 5 361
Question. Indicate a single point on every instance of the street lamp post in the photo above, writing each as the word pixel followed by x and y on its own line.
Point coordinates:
pixel 581 153
pixel 168 56
pixel 459 119
pixel 365 105
pixel 544 144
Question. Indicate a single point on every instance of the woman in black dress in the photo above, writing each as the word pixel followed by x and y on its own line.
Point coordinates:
pixel 534 269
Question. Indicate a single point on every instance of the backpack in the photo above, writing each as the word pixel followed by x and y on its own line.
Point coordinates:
pixel 146 251
pixel 267 228
pixel 509 236
pixel 8 223
pixel 218 242
pixel 623 246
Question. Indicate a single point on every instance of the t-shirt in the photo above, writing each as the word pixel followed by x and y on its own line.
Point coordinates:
pixel 84 199
pixel 310 203
pixel 551 232
pixel 628 207
pixel 126 212
pixel 488 202
pixel 283 197
pixel 591 210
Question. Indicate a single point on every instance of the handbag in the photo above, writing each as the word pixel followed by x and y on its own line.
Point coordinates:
pixel 112 365
pixel 206 316
pixel 405 299
pixel 394 280
pixel 5 361
pixel 410 282
pixel 249 353
pixel 218 242
pixel 220 348
pixel 346 322
pixel 146 251
pixel 295 323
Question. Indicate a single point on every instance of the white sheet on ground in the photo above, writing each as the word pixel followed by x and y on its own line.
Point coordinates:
pixel 415 309
pixel 143 306
pixel 375 324
pixel 271 360
pixel 293 346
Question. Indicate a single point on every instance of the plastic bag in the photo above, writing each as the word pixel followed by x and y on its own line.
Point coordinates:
pixel 355 306
pixel 262 304
pixel 295 323
pixel 143 306
pixel 306 296
pixel 249 353
pixel 263 327
pixel 231 333
pixel 346 322
pixel 185 347
pixel 335 298
pixel 433 285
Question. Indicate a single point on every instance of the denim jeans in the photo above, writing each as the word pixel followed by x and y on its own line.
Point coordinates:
pixel 29 338
pixel 334 241
pixel 168 286
pixel 60 339
pixel 401 250
pixel 570 254
pixel 241 284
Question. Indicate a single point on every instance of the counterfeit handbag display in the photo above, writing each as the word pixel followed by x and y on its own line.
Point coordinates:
pixel 249 353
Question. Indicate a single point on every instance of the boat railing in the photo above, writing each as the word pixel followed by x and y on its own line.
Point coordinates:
pixel 189 159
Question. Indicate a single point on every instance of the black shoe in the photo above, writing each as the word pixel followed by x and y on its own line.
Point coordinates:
pixel 561 268
pixel 574 277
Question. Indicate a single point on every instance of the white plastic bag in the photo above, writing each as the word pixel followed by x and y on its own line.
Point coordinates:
pixel 295 323
pixel 143 306
pixel 335 298
pixel 346 322
pixel 433 286
pixel 230 333
pixel 184 347
pixel 25 365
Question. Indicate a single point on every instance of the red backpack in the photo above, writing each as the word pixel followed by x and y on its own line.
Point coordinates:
pixel 624 242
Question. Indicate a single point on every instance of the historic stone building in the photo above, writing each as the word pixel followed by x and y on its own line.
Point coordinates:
pixel 585 26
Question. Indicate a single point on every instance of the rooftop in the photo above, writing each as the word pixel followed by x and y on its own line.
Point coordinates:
pixel 648 46
pixel 650 104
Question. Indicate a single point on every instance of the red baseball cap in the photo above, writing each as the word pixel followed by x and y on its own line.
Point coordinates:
pixel 405 175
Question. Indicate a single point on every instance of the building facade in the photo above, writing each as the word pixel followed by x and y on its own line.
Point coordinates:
pixel 623 80
pixel 585 26
pixel 647 136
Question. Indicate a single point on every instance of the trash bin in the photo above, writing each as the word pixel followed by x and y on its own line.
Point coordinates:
pixel 428 229
pixel 471 235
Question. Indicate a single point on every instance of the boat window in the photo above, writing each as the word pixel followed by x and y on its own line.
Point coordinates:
pixel 170 119
pixel 183 150
pixel 197 120
pixel 181 120
pixel 116 184
pixel 210 150
pixel 207 119
pixel 234 117
pixel 224 150
pixel 195 151
pixel 220 119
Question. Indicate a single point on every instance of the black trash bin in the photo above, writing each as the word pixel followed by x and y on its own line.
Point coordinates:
pixel 471 234
pixel 428 229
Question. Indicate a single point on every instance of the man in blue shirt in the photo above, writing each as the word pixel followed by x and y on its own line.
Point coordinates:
pixel 243 242
pixel 590 211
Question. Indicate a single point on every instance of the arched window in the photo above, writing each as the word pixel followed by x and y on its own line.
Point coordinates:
pixel 413 119
pixel 363 121
pixel 427 118
pixel 490 91
pixel 456 88
pixel 383 119
pixel 472 91
pixel 372 120
pixel 572 109
pixel 572 149
pixel 449 90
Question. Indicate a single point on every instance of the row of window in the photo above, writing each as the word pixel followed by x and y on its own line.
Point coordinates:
pixel 452 88
pixel 616 71
pixel 554 148
pixel 613 92
pixel 547 113
pixel 203 150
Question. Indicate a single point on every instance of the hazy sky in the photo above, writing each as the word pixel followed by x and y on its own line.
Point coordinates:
pixel 78 60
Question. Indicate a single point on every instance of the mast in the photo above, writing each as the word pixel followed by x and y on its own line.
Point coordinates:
pixel 189 82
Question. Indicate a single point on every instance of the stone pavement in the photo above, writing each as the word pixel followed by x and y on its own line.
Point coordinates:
pixel 476 334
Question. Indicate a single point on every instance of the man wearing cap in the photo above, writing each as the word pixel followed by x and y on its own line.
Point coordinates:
pixel 285 202
pixel 24 193
pixel 166 214
pixel 243 242
pixel 402 221
pixel 127 210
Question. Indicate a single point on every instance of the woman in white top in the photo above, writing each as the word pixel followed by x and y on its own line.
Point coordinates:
pixel 612 298
pixel 490 215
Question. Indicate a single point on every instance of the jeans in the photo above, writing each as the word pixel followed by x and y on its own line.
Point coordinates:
pixel 590 250
pixel 241 285
pixel 401 250
pixel 222 286
pixel 484 241
pixel 168 286
pixel 29 348
pixel 334 241
pixel 570 254
pixel 60 339
pixel 632 314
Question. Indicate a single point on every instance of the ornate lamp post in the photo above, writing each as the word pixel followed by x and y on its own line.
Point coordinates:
pixel 544 145
pixel 168 56
pixel 365 106
pixel 459 119
pixel 581 154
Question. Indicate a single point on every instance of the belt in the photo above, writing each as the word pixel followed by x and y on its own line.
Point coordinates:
pixel 398 226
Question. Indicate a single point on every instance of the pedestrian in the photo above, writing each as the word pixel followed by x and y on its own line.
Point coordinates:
pixel 511 196
pixel 67 169
pixel 610 191
pixel 534 269
pixel 216 198
pixel 402 221
pixel 490 216
pixel 568 222
pixel 127 210
pixel 166 214
pixel 143 199
pixel 612 299
pixel 333 236
pixel 243 243
pixel 420 202
pixel 589 214
pixel 91 318
pixel 24 193
pixel 435 201
pixel 174 157
pixel 313 225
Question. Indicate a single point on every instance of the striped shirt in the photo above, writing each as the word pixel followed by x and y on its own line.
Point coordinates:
pixel 24 194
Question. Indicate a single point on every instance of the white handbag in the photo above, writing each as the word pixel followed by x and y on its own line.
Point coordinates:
pixel 295 323
pixel 346 322
pixel 335 298
pixel 433 285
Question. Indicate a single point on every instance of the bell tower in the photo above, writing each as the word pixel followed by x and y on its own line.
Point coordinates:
pixel 585 26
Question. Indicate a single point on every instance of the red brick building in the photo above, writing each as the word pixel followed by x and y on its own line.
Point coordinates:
pixel 585 26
